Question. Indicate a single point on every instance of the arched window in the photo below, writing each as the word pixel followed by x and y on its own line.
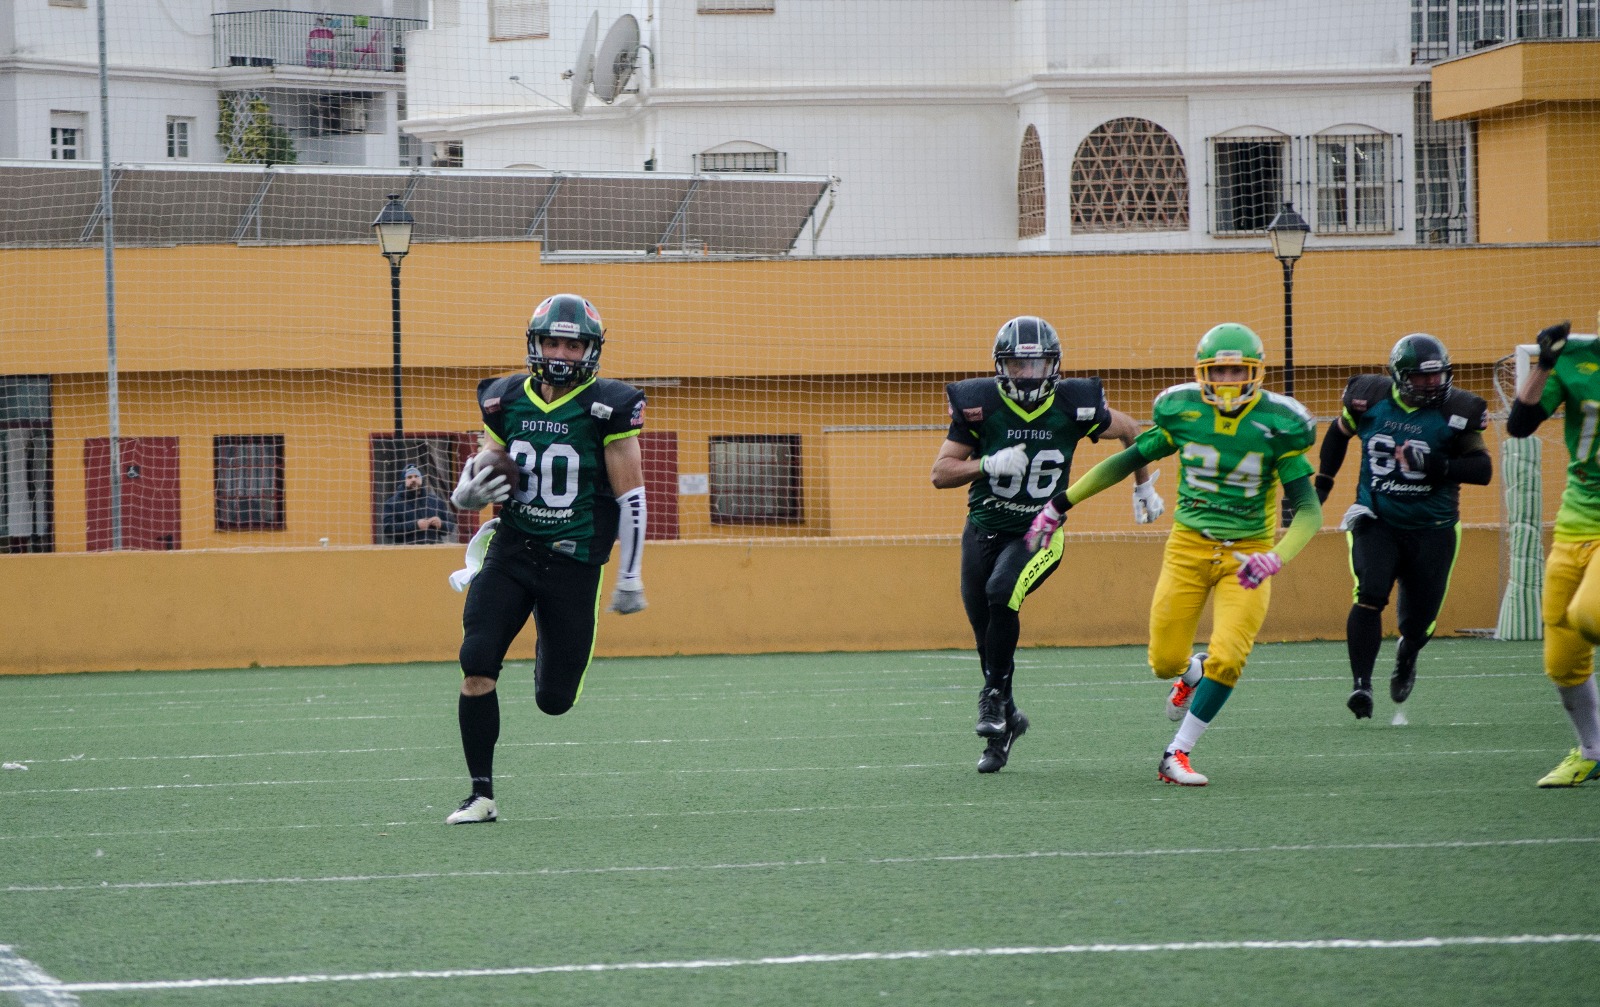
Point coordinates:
pixel 1030 186
pixel 1129 175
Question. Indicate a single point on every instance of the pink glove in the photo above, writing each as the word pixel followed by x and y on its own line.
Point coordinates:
pixel 1256 568
pixel 1044 527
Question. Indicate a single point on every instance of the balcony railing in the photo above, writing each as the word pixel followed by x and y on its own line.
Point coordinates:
pixel 266 38
pixel 1441 29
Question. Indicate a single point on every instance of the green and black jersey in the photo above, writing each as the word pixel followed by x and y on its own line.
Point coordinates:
pixel 985 420
pixel 564 501
pixel 1406 500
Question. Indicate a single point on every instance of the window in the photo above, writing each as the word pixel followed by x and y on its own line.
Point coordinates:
pixel 755 479
pixel 1030 186
pixel 519 19
pixel 338 114
pixel 762 159
pixel 449 154
pixel 1248 182
pixel 1353 191
pixel 67 136
pixel 178 137
pixel 440 456
pixel 736 6
pixel 27 476
pixel 248 482
pixel 1129 175
pixel 1443 178
pixel 69 3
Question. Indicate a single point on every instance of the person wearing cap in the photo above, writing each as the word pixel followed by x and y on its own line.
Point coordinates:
pixel 414 515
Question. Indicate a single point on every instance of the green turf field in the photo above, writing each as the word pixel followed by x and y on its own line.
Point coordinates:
pixel 796 830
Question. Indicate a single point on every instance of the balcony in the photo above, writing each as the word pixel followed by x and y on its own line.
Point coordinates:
pixel 269 38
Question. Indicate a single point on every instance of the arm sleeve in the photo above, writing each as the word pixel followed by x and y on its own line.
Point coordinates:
pixel 1476 468
pixel 1334 445
pixel 1103 476
pixel 630 537
pixel 1307 518
pixel 1525 419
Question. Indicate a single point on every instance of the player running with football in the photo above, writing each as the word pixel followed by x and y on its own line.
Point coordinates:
pixel 1235 443
pixel 1567 375
pixel 1011 438
pixel 1420 439
pixel 574 439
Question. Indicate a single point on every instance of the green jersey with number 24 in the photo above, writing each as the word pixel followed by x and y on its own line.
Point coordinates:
pixel 1575 384
pixel 1229 466
pixel 564 500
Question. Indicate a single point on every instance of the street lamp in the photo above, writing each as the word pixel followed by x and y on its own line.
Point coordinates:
pixel 1288 232
pixel 393 230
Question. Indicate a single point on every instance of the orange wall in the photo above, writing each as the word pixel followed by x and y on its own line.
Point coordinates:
pixel 157 611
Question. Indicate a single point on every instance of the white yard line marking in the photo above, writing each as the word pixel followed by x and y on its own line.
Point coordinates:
pixel 31 985
pixel 1323 944
pixel 1447 844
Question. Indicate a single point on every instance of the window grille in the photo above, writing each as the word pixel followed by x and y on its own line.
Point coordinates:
pixel 1030 186
pixel 1129 175
pixel 519 19
pixel 248 482
pixel 1353 176
pixel 1443 173
pixel 772 161
pixel 755 479
pixel 1249 182
pixel 178 137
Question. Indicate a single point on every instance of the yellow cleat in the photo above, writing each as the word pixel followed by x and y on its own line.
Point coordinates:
pixel 1573 770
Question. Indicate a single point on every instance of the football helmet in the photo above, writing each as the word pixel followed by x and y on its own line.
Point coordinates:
pixel 1413 357
pixel 1230 345
pixel 1027 359
pixel 567 316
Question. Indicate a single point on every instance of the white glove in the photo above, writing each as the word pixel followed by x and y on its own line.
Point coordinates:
pixel 1007 462
pixel 479 488
pixel 628 597
pixel 1255 568
pixel 1147 503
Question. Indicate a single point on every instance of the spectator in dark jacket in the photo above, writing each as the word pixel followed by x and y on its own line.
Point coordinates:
pixel 414 516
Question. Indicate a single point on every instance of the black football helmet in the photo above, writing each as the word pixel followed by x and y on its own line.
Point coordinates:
pixel 1027 338
pixel 1416 355
pixel 569 317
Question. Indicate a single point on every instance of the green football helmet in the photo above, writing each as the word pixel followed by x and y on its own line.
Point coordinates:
pixel 1413 363
pixel 1230 345
pixel 566 316
pixel 1027 359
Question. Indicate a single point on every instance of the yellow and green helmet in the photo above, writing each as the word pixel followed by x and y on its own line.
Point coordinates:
pixel 1230 345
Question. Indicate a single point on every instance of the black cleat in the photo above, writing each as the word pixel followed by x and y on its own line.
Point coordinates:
pixel 998 753
pixel 1404 676
pixel 991 714
pixel 1360 703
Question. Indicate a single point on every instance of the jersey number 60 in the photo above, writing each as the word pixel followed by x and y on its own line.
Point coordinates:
pixel 541 476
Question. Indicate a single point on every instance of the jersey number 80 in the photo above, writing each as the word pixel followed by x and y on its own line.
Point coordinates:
pixel 554 477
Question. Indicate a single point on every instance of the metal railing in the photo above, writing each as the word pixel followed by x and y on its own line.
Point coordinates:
pixel 1441 29
pixel 264 38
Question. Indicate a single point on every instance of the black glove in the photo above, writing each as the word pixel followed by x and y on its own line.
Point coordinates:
pixel 1552 340
pixel 1434 467
pixel 1324 484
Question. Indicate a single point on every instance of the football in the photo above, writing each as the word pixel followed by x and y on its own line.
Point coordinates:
pixel 502 463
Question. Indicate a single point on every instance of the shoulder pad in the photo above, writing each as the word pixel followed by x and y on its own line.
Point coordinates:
pixel 973 399
pixel 1473 410
pixel 492 390
pixel 1177 396
pixel 612 391
pixel 1365 391
pixel 1080 398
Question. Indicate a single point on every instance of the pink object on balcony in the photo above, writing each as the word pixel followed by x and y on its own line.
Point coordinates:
pixel 320 48
pixel 372 50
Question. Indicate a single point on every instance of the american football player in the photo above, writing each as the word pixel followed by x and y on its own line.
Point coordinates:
pixel 1011 439
pixel 1420 439
pixel 1567 374
pixel 1236 443
pixel 575 439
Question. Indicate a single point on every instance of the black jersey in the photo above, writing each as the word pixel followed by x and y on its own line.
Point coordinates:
pixel 564 500
pixel 984 419
pixel 1374 410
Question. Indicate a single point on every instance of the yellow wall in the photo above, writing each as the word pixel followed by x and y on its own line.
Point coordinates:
pixel 182 610
pixel 1537 106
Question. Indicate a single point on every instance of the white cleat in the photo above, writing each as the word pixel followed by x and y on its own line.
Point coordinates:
pixel 1175 768
pixel 1181 693
pixel 473 810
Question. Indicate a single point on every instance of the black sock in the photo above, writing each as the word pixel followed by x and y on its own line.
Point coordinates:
pixel 1406 652
pixel 480 729
pixel 1000 649
pixel 1363 633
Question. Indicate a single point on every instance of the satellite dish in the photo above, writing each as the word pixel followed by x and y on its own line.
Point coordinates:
pixel 615 62
pixel 582 72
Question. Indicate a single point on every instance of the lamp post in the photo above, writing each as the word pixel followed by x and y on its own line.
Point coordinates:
pixel 1288 232
pixel 393 229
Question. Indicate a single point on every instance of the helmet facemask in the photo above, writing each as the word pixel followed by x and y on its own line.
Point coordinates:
pixel 1422 372
pixel 565 316
pixel 1234 394
pixel 1027 360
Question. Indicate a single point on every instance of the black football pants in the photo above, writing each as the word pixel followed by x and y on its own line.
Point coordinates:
pixel 995 572
pixel 520 578
pixel 1420 559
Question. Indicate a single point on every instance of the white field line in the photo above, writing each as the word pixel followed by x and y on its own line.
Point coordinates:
pixel 1176 947
pixel 954 858
pixel 31 985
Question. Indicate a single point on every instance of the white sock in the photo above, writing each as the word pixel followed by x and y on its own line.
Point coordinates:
pixel 1188 733
pixel 1582 703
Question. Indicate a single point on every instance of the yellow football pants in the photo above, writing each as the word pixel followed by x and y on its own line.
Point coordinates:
pixel 1571 611
pixel 1192 568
